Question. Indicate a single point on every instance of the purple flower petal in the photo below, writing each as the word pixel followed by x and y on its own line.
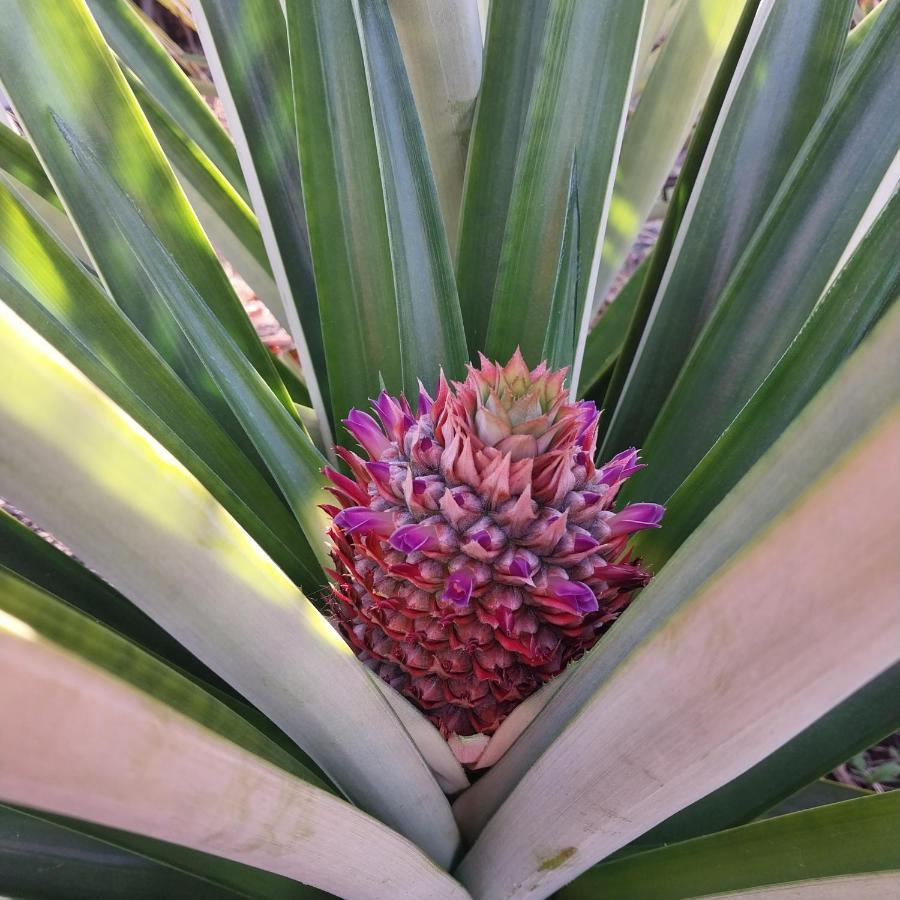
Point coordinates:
pixel 587 417
pixel 409 538
pixel 425 401
pixel 574 594
pixel 482 538
pixel 519 568
pixel 620 467
pixel 459 586
pixel 380 471
pixel 635 517
pixel 367 433
pixel 395 420
pixel 365 521
pixel 584 543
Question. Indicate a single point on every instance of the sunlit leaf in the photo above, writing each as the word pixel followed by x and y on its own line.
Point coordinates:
pixel 70 310
pixel 76 94
pixel 442 49
pixel 138 48
pixel 216 592
pixel 94 707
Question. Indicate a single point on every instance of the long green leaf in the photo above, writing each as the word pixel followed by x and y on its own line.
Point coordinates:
pixel 659 19
pixel 855 838
pixel 578 105
pixel 277 436
pixel 21 170
pixel 138 48
pixel 229 222
pixel 109 734
pixel 559 342
pixel 140 520
pixel 49 860
pixel 841 414
pixel 858 722
pixel 442 50
pixel 246 46
pixel 605 341
pixel 344 203
pixel 18 159
pixel 59 300
pixel 515 32
pixel 727 692
pixel 660 125
pixel 778 89
pixel 78 85
pixel 677 205
pixel 792 257
pixel 866 285
pixel 857 35
pixel 822 792
pixel 431 327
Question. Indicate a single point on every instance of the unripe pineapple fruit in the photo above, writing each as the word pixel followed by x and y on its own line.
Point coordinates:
pixel 476 549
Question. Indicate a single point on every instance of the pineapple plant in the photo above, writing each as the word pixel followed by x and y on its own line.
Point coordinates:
pixel 408 614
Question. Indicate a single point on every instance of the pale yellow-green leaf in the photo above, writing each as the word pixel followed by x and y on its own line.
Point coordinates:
pixel 660 125
pixel 441 44
pixel 128 509
pixel 81 742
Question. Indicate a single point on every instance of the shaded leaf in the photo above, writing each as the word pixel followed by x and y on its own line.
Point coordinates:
pixel 246 45
pixel 559 342
pixel 515 31
pixel 578 105
pixel 845 839
pixel 849 308
pixel 778 89
pixel 344 203
pixel 793 256
pixel 431 328
pixel 660 125
pixel 676 207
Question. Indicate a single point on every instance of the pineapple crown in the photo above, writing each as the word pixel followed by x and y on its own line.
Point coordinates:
pixel 476 551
